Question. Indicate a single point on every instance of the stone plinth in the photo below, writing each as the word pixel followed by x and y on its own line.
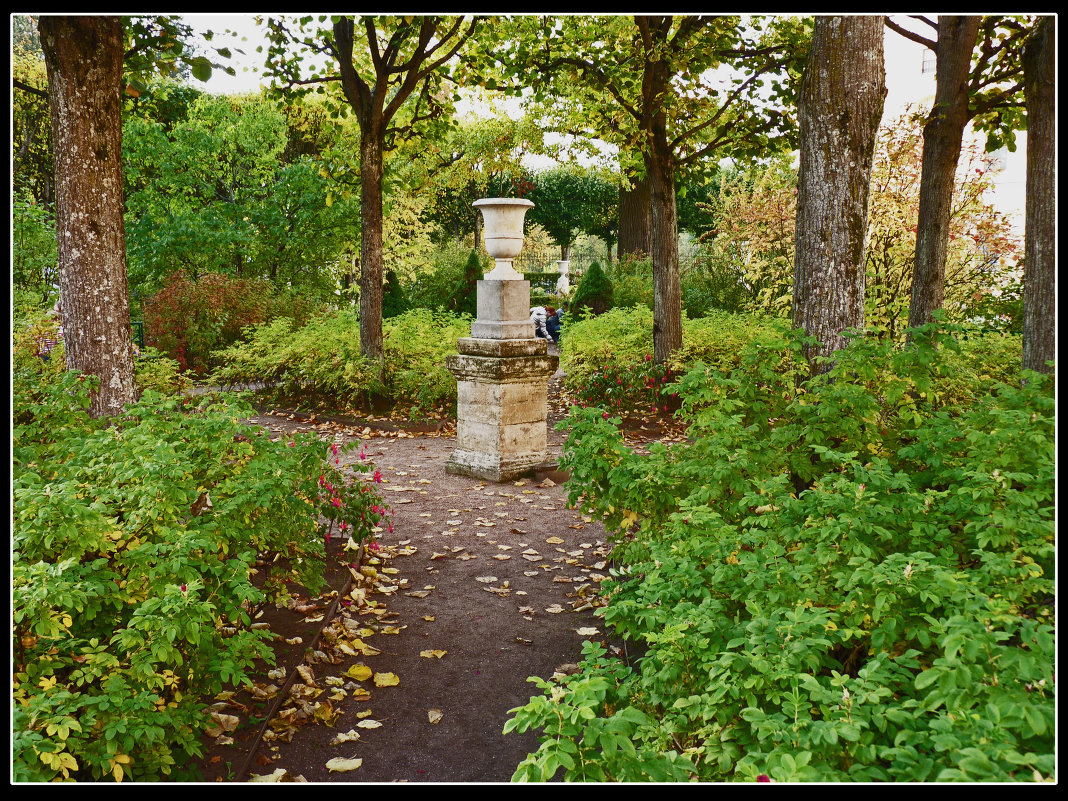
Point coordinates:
pixel 503 311
pixel 501 389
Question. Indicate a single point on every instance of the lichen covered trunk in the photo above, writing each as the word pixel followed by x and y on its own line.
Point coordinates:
pixel 840 107
pixel 83 56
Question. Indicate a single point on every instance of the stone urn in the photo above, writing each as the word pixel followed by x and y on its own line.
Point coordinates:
pixel 502 370
pixel 503 232
pixel 563 283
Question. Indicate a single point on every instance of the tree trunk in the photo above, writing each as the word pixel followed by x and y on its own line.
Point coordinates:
pixel 1039 292
pixel 84 56
pixel 667 286
pixel 942 136
pixel 371 169
pixel 635 220
pixel 839 109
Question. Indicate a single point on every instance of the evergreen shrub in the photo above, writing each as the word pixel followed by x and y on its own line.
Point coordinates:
pixel 594 293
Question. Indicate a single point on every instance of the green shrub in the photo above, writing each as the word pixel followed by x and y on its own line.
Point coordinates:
pixel 394 298
pixel 845 580
pixel 450 282
pixel 632 281
pixel 464 297
pixel 594 293
pixel 133 553
pixel 156 373
pixel 416 344
pixel 615 347
pixel 30 344
pixel 320 363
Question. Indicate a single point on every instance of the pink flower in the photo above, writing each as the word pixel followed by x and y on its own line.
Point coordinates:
pixel 377 476
pixel 372 546
pixel 344 525
pixel 391 527
pixel 763 777
pixel 333 448
pixel 183 588
pixel 363 454
pixel 604 415
pixel 336 502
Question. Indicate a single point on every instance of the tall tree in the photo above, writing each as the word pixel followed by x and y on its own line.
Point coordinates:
pixel 970 84
pixel 841 104
pixel 1039 292
pixel 84 57
pixel 562 204
pixel 381 64
pixel 643 84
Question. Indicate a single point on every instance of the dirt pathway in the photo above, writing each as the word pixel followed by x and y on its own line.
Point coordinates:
pixel 479 586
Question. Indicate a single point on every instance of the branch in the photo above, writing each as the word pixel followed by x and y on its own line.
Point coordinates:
pixel 25 87
pixel 915 37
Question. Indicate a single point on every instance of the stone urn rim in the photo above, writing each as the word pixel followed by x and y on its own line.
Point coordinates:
pixel 503 201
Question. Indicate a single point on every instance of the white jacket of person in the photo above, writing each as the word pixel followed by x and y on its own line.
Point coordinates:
pixel 538 317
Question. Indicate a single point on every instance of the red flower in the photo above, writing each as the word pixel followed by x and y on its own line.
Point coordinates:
pixel 377 476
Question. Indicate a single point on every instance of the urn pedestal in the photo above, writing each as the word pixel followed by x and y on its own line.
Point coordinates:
pixel 502 371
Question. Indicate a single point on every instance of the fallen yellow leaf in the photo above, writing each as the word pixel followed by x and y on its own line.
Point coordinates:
pixel 386 680
pixel 340 764
pixel 434 715
pixel 359 672
pixel 433 654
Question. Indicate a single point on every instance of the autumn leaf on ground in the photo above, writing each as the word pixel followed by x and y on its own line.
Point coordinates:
pixel 434 715
pixel 222 723
pixel 433 654
pixel 554 541
pixel 350 736
pixel 587 631
pixel 359 672
pixel 386 680
pixel 340 764
pixel 555 609
pixel 368 724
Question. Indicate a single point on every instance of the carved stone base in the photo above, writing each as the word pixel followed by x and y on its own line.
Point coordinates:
pixel 501 389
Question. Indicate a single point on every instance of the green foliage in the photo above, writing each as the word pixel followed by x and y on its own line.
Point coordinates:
pixel 394 298
pixel 450 282
pixel 846 578
pixel 136 577
pixel 154 372
pixel 34 263
pixel 566 200
pixel 209 190
pixel 36 345
pixel 320 363
pixel 464 298
pixel 613 349
pixel 632 281
pixel 416 344
pixel 594 293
